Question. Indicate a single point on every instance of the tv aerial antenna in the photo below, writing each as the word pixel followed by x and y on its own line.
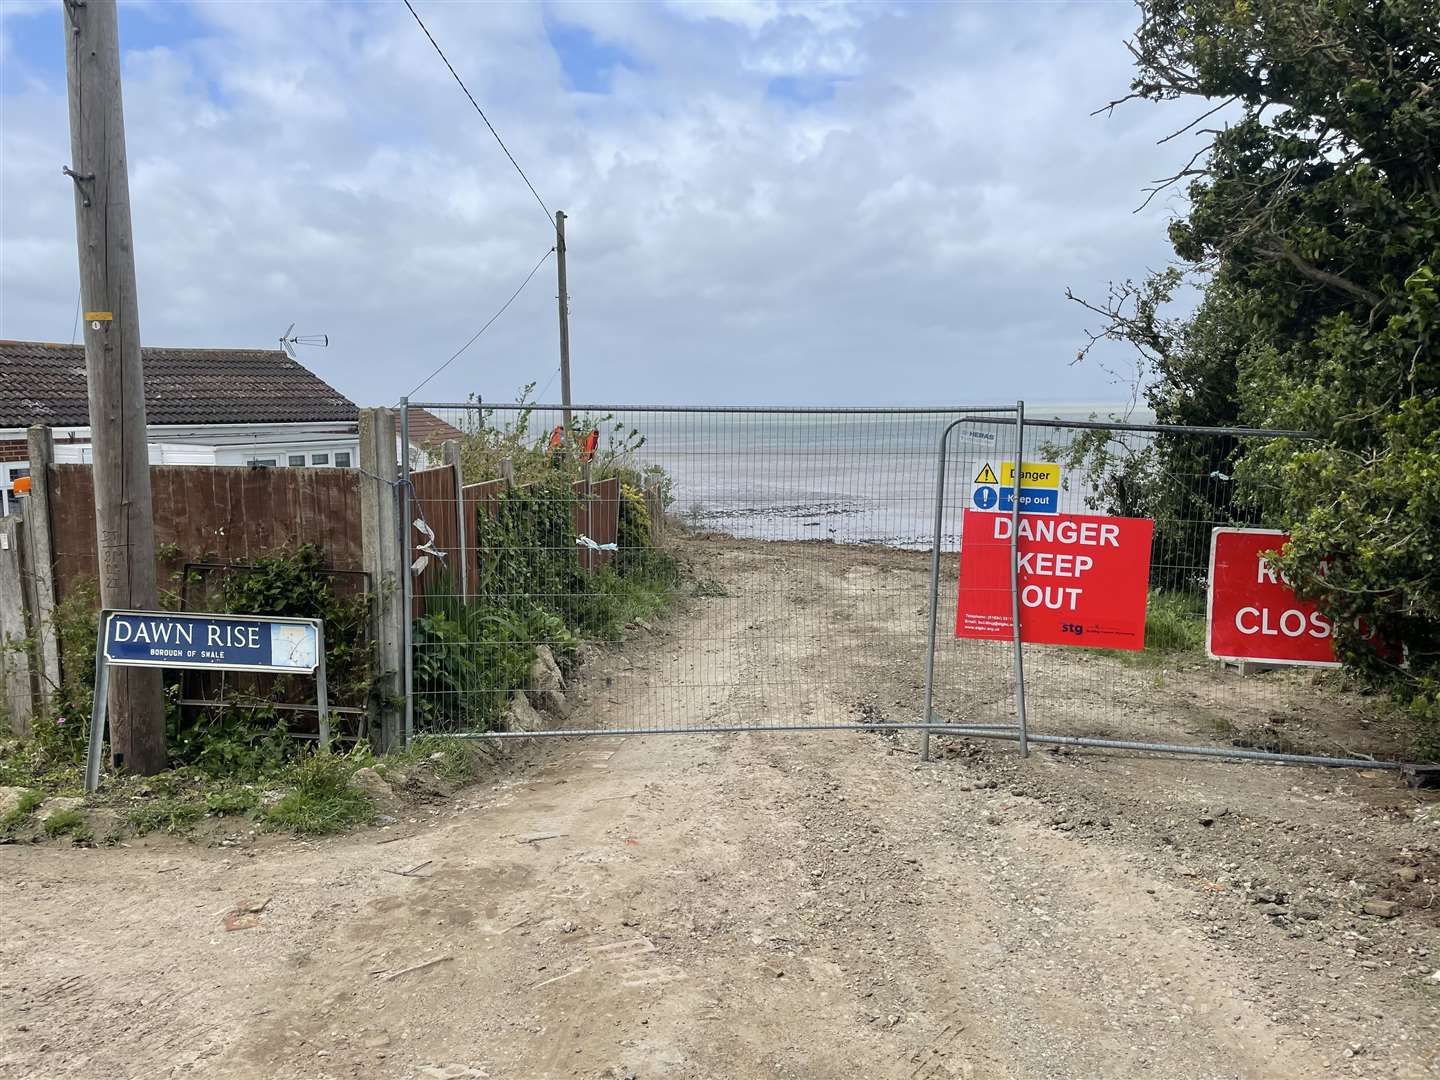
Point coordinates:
pixel 290 339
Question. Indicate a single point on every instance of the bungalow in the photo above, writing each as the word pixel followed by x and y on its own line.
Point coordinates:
pixel 202 406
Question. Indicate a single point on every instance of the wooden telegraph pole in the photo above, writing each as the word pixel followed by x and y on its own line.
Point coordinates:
pixel 124 514
pixel 564 318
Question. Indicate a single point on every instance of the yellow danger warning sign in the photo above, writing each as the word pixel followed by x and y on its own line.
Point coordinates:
pixel 987 475
pixel 1032 474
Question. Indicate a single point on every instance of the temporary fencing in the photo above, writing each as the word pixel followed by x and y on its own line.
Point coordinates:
pixel 746 569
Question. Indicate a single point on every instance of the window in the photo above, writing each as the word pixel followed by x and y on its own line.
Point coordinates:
pixel 319 459
pixel 342 459
pixel 296 460
pixel 261 462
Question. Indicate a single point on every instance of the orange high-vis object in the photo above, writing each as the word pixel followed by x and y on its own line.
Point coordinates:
pixel 557 437
pixel 21 485
pixel 592 440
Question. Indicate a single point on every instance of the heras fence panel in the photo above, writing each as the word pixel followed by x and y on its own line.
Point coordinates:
pixel 1116 633
pixel 714 569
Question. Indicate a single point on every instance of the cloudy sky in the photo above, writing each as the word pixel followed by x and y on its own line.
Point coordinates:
pixel 768 202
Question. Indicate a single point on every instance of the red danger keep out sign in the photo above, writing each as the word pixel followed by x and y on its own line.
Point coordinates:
pixel 1253 614
pixel 1083 579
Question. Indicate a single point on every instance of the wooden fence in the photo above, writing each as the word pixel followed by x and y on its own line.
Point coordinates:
pixel 231 516
pixel 214 514
pixel 436 498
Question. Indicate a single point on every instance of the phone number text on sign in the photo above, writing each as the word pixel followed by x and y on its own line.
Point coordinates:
pixel 1083 580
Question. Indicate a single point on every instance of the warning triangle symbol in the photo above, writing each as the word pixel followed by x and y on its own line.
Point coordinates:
pixel 987 475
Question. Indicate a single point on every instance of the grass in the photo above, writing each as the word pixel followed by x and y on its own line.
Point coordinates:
pixel 1174 630
pixel 173 815
pixel 457 761
pixel 71 823
pixel 322 800
pixel 237 800
pixel 1174 623
pixel 12 822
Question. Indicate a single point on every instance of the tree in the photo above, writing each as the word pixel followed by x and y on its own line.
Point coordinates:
pixel 1313 227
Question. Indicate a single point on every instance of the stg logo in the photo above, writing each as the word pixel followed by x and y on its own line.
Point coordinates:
pixel 1072 628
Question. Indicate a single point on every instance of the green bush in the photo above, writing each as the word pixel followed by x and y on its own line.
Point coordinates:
pixel 468 655
pixel 531 589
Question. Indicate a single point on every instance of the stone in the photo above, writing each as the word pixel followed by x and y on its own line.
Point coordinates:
pixel 1381 909
pixel 1273 909
pixel 553 702
pixel 375 788
pixel 1407 874
pixel 546 657
pixel 58 805
pixel 10 800
pixel 521 716
pixel 545 686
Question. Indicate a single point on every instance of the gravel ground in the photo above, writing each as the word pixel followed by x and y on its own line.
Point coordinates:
pixel 759 904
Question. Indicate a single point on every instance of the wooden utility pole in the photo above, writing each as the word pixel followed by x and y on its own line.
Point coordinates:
pixel 124 514
pixel 564 317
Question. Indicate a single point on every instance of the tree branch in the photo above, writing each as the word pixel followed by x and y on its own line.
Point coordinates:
pixel 1324 277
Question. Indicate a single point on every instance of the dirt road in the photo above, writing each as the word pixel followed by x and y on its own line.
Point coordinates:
pixel 757 905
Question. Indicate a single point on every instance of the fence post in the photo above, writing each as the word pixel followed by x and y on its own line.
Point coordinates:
pixel 655 507
pixel 16 684
pixel 507 472
pixel 40 561
pixel 1015 577
pixel 381 555
pixel 451 456
pixel 407 577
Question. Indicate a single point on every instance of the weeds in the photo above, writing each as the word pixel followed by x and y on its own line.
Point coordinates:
pixel 1174 630
pixel 238 800
pixel 173 815
pixel 12 822
pixel 455 760
pixel 70 823
pixel 323 800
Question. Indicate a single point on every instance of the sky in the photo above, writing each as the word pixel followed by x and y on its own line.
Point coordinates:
pixel 767 202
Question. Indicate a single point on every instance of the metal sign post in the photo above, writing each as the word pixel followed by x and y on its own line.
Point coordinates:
pixel 195 642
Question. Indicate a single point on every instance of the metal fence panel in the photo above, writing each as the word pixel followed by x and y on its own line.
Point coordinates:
pixel 1171 694
pixel 765 512
pixel 809 552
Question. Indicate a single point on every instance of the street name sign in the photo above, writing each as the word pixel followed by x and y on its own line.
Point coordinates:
pixel 190 641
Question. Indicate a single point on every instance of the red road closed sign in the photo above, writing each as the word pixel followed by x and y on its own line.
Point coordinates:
pixel 1083 579
pixel 1253 613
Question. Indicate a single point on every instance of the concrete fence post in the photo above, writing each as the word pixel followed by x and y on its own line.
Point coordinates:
pixel 382 558
pixel 16 681
pixel 40 560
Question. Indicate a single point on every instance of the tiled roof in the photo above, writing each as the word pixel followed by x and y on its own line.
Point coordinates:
pixel 427 429
pixel 41 383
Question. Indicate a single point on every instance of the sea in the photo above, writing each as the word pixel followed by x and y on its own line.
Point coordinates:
pixel 864 478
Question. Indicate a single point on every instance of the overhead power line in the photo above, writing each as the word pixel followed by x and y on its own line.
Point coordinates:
pixel 476 336
pixel 549 217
